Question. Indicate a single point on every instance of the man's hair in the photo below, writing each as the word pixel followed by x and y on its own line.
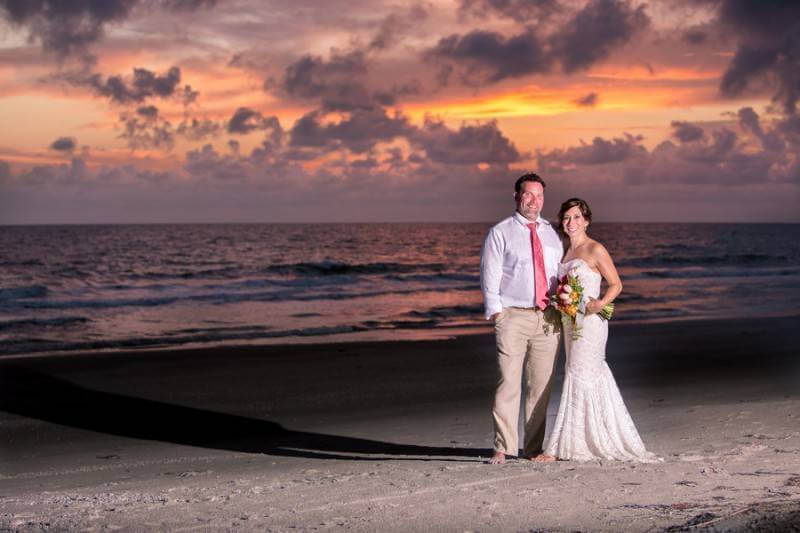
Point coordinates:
pixel 528 177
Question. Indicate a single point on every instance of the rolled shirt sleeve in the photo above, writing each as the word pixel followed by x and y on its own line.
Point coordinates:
pixel 492 272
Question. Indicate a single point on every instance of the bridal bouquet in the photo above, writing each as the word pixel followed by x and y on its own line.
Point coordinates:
pixel 570 302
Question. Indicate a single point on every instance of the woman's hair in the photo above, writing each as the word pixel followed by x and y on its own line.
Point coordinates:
pixel 569 204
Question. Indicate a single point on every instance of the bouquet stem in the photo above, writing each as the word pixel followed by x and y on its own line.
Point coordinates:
pixel 607 311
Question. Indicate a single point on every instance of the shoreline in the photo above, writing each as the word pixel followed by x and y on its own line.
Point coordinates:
pixel 443 334
pixel 393 436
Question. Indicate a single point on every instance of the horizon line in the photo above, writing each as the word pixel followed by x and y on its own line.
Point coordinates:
pixel 240 223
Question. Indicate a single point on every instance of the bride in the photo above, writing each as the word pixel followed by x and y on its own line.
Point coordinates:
pixel 592 421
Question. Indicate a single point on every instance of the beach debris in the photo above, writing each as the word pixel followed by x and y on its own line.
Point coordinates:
pixel 709 470
pixel 791 450
pixel 760 436
pixel 793 481
pixel 702 518
pixel 686 483
pixel 762 473
pixel 778 493
pixel 662 507
pixel 192 473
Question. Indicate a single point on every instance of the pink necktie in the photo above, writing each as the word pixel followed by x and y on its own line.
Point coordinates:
pixel 539 275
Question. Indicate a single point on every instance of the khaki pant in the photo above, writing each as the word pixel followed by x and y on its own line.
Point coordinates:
pixel 527 349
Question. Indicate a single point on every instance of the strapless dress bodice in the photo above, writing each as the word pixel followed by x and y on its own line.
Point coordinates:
pixel 590 280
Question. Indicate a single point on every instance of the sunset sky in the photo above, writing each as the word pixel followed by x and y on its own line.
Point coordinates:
pixel 124 111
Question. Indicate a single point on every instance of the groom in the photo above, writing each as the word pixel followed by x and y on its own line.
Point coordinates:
pixel 519 267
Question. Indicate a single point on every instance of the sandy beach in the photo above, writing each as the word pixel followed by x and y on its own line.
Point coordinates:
pixel 394 436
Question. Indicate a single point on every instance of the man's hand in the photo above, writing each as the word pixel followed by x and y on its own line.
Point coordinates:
pixel 494 317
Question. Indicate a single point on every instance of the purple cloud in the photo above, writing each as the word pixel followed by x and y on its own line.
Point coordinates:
pixel 590 100
pixel 480 57
pixel 63 144
pixel 595 31
pixel 686 132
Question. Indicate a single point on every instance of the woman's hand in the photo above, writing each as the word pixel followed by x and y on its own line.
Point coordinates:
pixel 593 306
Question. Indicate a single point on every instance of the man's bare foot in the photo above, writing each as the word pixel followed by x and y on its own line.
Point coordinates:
pixel 544 458
pixel 498 458
pixel 531 455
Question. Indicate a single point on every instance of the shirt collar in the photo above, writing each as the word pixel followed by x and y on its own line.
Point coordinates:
pixel 524 221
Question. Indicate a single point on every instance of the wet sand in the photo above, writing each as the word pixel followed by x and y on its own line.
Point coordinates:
pixel 394 436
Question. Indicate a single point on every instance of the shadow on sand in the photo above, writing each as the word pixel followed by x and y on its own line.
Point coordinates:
pixel 36 395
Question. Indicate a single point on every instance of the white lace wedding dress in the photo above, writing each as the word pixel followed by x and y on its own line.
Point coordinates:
pixel 592 421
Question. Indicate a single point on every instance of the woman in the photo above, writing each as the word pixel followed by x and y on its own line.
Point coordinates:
pixel 592 421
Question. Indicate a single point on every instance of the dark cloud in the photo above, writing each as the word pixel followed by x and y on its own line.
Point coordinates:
pixel 307 132
pixel 341 82
pixel 412 87
pixel 72 173
pixel 768 35
pixel 148 112
pixel 747 63
pixel 595 31
pixel 695 37
pixel 359 132
pixel 188 95
pixel 468 145
pixel 395 159
pixel 245 120
pixel 769 21
pixel 198 130
pixel 66 27
pixel 395 25
pixel 714 161
pixel 590 100
pixel 69 27
pixel 146 134
pixel 481 57
pixel 146 129
pixel 206 163
pixel 272 145
pixel 686 132
pixel 599 152
pixel 717 157
pixel 750 122
pixel 525 11
pixel 188 5
pixel 338 83
pixel 63 144
pixel 362 164
pixel 789 129
pixel 141 85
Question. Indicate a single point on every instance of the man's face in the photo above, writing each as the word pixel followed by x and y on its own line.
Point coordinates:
pixel 530 199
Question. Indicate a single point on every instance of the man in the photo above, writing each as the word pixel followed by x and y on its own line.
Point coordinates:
pixel 519 268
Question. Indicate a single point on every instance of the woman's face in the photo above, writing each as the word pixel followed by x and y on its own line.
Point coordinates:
pixel 573 222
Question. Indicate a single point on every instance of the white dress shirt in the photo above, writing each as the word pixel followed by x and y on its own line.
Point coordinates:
pixel 507 263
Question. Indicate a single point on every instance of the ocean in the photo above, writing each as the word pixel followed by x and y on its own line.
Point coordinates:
pixel 99 287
